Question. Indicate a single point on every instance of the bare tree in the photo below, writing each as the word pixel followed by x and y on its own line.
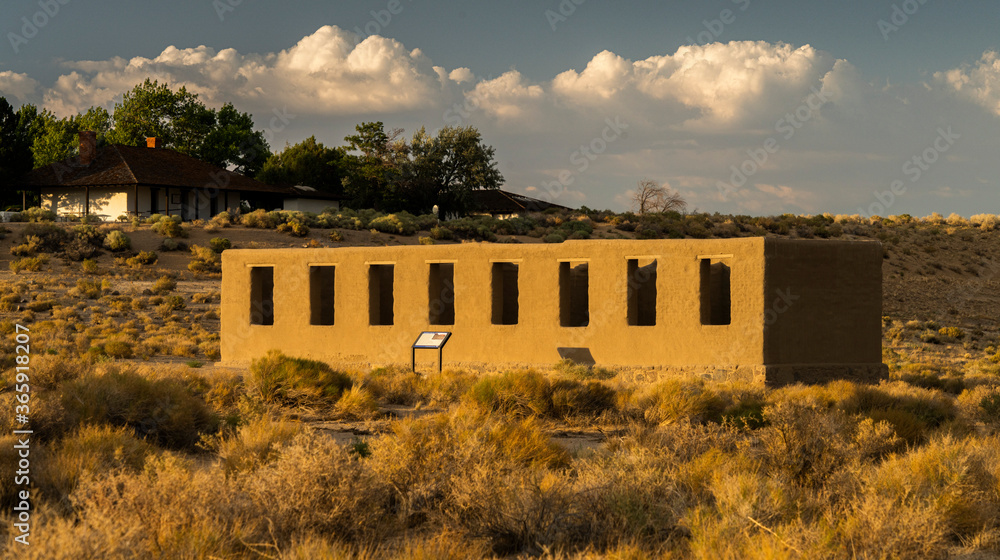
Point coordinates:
pixel 650 196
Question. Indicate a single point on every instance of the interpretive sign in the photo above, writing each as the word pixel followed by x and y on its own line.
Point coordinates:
pixel 432 341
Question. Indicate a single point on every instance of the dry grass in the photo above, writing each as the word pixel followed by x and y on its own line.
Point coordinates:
pixel 147 460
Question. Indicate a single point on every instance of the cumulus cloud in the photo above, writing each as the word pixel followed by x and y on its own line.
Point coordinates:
pixel 19 86
pixel 979 82
pixel 327 72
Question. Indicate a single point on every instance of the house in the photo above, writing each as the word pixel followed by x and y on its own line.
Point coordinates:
pixel 504 204
pixel 763 310
pixel 117 180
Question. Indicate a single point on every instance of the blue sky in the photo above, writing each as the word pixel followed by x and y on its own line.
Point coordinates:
pixel 717 99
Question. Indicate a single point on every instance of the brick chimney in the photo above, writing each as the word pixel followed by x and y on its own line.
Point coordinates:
pixel 152 142
pixel 88 146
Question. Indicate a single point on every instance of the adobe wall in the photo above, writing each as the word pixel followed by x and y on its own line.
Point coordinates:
pixel 679 342
pixel 677 338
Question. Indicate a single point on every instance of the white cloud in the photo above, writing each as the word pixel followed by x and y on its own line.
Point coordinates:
pixel 979 82
pixel 324 73
pixel 689 117
pixel 19 86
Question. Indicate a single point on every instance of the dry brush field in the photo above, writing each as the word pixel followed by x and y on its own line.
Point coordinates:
pixel 143 448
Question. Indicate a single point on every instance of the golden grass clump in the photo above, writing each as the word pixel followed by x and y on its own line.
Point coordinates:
pixel 254 444
pixel 277 378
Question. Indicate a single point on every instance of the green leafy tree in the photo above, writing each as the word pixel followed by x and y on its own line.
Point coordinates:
pixel 15 147
pixel 446 168
pixel 183 123
pixel 308 163
pixel 234 142
pixel 56 139
pixel 373 174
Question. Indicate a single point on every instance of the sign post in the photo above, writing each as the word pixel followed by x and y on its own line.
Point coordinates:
pixel 430 340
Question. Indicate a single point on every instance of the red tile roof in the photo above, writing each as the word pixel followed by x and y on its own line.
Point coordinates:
pixel 160 167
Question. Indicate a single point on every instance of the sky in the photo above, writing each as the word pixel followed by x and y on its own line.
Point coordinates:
pixel 743 106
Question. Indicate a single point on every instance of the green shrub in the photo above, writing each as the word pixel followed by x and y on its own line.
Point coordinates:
pixel 51 237
pixel 220 244
pixel 277 378
pixel 37 214
pixel 441 233
pixel 170 244
pixel 89 234
pixel 144 258
pixel 88 289
pixel 170 227
pixel 259 219
pixel 164 409
pixel 164 285
pixel 205 260
pixel 117 241
pixel 402 223
pixel 29 264
pixel 555 238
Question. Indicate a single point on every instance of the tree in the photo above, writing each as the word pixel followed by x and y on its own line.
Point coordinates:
pixel 650 196
pixel 449 166
pixel 15 146
pixel 56 139
pixel 308 163
pixel 183 123
pixel 234 142
pixel 373 176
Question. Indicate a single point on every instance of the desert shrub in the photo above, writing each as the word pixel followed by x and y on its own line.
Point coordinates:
pixel 171 244
pixel 78 249
pixel 254 444
pixel 89 266
pixel 673 400
pixel 88 289
pixel 479 227
pixel 223 219
pixel 441 233
pixel 220 244
pixel 260 219
pixel 32 246
pixel 953 478
pixel 204 260
pixel 118 241
pixel 37 214
pixel 51 237
pixel 356 403
pixel 164 285
pixel 402 223
pixel 29 264
pixel 118 349
pixel 524 392
pixel 94 449
pixel 331 492
pixel 952 332
pixel 89 234
pixel 426 240
pixel 555 238
pixel 164 409
pixel 336 236
pixel 144 258
pixel 295 229
pixel 277 378
pixel 573 398
pixel 170 227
